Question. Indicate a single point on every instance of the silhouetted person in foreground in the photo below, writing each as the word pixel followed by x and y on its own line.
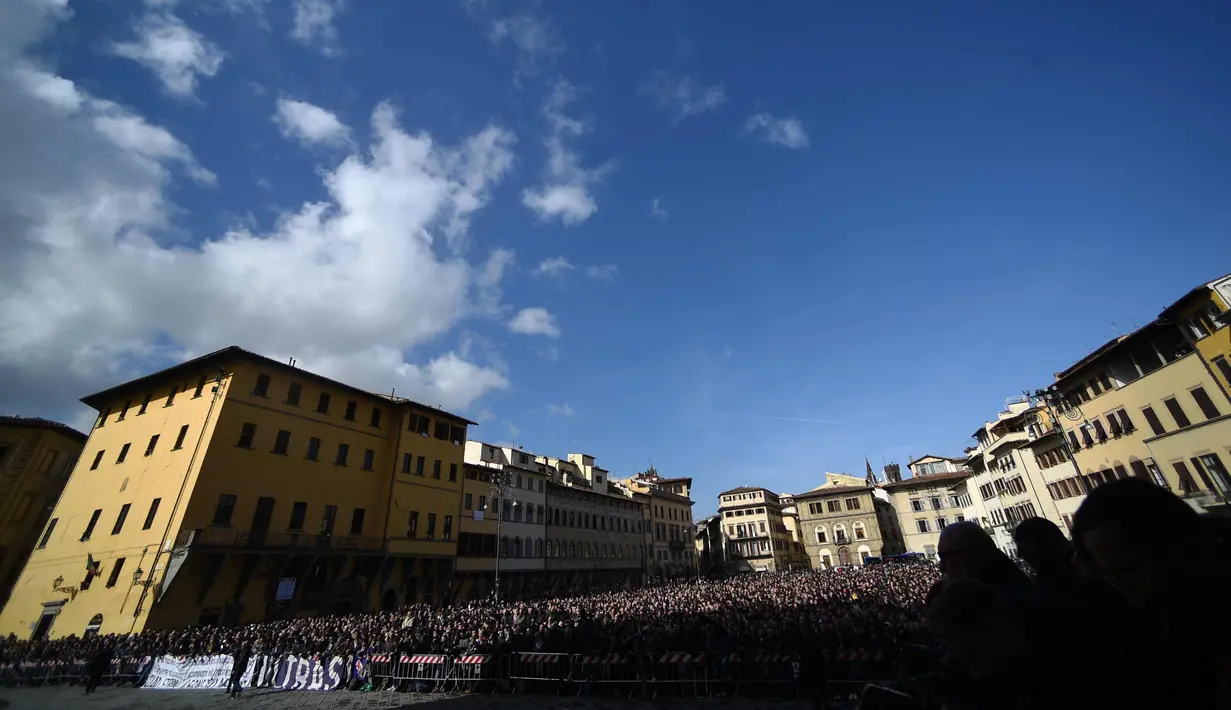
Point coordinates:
pixel 966 551
pixel 235 685
pixel 1155 549
pixel 99 661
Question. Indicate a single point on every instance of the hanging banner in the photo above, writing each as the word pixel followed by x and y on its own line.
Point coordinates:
pixel 181 673
pixel 213 672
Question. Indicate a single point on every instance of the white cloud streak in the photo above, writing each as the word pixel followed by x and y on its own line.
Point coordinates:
pixel 785 132
pixel 683 96
pixel 562 410
pixel 535 321
pixel 602 272
pixel 313 24
pixel 310 124
pixel 175 53
pixel 555 266
pixel 657 211
pixel 565 194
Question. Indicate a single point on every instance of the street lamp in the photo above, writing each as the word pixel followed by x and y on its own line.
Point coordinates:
pixel 1057 406
pixel 501 491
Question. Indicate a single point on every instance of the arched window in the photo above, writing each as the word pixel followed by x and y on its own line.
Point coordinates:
pixel 95 624
pixel 517 547
pixel 860 533
pixel 839 534
pixel 826 559
pixel 538 547
pixel 864 553
pixel 572 549
pixel 504 546
pixel 821 535
pixel 572 521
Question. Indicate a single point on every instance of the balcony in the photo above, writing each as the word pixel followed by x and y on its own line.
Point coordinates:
pixel 239 540
pixel 842 540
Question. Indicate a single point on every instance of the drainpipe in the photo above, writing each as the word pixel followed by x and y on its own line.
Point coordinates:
pixel 196 451
pixel 397 450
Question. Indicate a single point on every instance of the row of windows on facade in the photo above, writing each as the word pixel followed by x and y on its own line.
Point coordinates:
pixel 282 446
pixel 932 467
pixel 839 533
pixel 512 480
pixel 833 506
pixel 938 503
pixel 1054 457
pixel 756 495
pixel 483 545
pixel 225 511
pixel 1135 361
pixel 1001 486
pixel 145 403
pixel 743 511
pixel 517 512
pixel 1209 468
pixel 673 555
pixel 150 447
pixel 668 533
pixel 418 423
pixel 662 511
pixel 116 529
pixel 1094 432
pixel 923 525
pixel 755 548
pixel 595 499
pixel 44 466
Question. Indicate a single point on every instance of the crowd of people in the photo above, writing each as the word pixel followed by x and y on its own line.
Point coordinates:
pixel 1125 614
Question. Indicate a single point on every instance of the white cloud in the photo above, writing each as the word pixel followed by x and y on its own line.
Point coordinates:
pixel 535 321
pixel 175 53
pixel 565 193
pixel 90 296
pixel 657 211
pixel 683 96
pixel 555 266
pixel 786 132
pixel 563 410
pixel 536 38
pixel 310 124
pixel 314 24
pixel 604 272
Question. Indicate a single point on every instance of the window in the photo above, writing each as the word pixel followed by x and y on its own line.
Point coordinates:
pixel 149 517
pixel 343 450
pixel 442 431
pixel 328 519
pixel 820 535
pixel 97 459
pixel 916 505
pixel 469 501
pixel 1213 464
pixel 179 438
pixel 1152 419
pixel 420 424
pixel 453 473
pixel 1073 441
pixel 351 406
pixel 119 520
pixel 833 506
pixel 483 504
pixel 123 454
pixel 412 525
pixel 314 449
pixel 293 393
pixel 246 435
pixel 436 469
pixel 299 513
pixel 860 533
pixel 282 442
pixel 457 434
pixel 356 521
pixel 407 460
pixel 144 403
pixel 1223 366
pixel 200 387
pixel 852 504
pixel 922 525
pixel 1099 430
pixel 224 511
pixel 322 404
pixel 448 529
pixel 51 527
pixel 431 526
pixel 369 458
pixel 89 528
pixel 262 386
pixel 1186 480
pixel 1156 475
pixel 1204 403
pixel 171 397
pixel 124 410
pixel 115 572
pixel 1177 412
pixel 419 463
pixel 375 417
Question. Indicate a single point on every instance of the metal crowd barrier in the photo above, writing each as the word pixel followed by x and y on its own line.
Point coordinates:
pixel 848 671
pixel 540 672
pixel 763 672
pixel 475 673
pixel 608 671
pixel 418 673
pixel 688 673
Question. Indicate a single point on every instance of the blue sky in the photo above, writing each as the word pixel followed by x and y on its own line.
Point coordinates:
pixel 749 244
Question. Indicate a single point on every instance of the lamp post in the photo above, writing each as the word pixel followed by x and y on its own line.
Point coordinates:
pixel 501 491
pixel 1056 406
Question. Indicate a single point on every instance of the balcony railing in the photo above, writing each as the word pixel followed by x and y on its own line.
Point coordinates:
pixel 244 539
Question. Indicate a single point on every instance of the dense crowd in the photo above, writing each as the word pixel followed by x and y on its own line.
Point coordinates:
pixel 873 607
pixel 1126 614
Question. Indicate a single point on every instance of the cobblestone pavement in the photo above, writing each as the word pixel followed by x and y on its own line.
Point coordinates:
pixel 62 698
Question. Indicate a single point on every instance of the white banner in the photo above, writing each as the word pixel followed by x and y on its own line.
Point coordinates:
pixel 213 672
pixel 203 672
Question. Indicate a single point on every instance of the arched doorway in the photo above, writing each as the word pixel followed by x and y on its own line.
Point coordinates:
pixel 844 556
pixel 389 601
pixel 95 624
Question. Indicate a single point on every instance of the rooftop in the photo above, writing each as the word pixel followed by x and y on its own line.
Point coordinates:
pixel 827 489
pixel 746 489
pixel 929 479
pixel 40 423
pixel 98 400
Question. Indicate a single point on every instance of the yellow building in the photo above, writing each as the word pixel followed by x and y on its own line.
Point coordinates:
pixel 756 537
pixel 671 542
pixel 232 488
pixel 929 501
pixel 1149 405
pixel 36 457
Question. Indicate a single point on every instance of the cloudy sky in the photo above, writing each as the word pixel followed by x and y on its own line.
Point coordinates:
pixel 744 244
